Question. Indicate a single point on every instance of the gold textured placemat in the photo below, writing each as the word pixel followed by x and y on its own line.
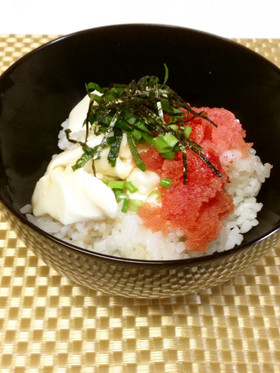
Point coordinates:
pixel 48 324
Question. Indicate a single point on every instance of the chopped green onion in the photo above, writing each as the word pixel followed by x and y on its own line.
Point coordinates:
pixel 130 187
pixel 106 120
pixel 137 134
pixel 168 155
pixel 90 88
pixel 130 118
pixel 161 144
pixel 141 126
pixel 125 205
pixel 93 87
pixel 116 184
pixel 187 131
pixel 165 183
pixel 166 74
pixel 170 139
pixel 147 138
pixel 120 195
pixel 155 193
pixel 174 127
pixel 134 204
pixel 105 180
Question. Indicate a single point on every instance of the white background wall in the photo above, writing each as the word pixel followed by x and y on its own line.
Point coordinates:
pixel 228 18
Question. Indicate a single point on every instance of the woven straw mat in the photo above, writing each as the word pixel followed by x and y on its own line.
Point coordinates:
pixel 48 324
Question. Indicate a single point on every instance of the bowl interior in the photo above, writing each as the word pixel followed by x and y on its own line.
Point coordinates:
pixel 37 93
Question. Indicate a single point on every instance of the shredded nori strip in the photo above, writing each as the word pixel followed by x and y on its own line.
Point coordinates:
pixel 139 110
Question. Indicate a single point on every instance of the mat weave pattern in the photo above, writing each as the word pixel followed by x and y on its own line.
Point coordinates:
pixel 48 324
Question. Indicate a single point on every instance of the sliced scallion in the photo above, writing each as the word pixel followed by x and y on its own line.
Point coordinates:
pixel 161 144
pixel 165 183
pixel 187 131
pixel 130 187
pixel 168 155
pixel 147 138
pixel 116 184
pixel 105 180
pixel 134 204
pixel 137 134
pixel 170 139
pixel 125 205
pixel 155 194
pixel 174 127
pixel 120 195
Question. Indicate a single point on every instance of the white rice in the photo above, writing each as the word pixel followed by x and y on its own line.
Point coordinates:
pixel 126 236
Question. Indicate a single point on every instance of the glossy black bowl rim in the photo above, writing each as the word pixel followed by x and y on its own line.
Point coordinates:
pixel 116 259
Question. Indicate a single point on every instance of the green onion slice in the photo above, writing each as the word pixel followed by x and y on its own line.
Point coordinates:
pixel 168 155
pixel 116 184
pixel 165 183
pixel 187 130
pixel 170 139
pixel 130 187
pixel 120 195
pixel 134 204
pixel 155 193
pixel 161 145
pixel 125 205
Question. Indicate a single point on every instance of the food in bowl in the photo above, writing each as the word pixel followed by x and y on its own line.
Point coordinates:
pixel 143 174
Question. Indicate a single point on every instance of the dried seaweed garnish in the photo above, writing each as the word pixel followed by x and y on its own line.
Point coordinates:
pixel 139 109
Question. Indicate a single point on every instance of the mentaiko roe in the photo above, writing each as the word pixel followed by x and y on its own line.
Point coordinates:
pixel 198 207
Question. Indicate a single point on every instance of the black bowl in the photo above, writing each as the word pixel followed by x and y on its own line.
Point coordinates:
pixel 39 90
